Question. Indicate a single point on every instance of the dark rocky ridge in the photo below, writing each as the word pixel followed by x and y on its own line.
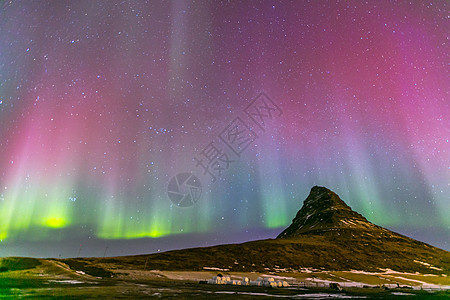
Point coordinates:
pixel 323 210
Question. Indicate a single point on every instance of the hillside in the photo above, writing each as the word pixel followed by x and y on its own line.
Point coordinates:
pixel 326 234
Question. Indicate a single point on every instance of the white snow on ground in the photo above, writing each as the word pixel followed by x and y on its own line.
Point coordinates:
pixel 280 270
pixel 313 280
pixel 67 281
pixel 362 272
pixel 388 272
pixel 422 263
pixel 424 285
pixel 402 294
pixel 278 277
pixel 307 270
pixel 412 280
pixel 427 265
pixel 397 275
pixel 216 269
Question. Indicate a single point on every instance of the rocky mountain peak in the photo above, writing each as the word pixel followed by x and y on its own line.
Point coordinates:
pixel 323 210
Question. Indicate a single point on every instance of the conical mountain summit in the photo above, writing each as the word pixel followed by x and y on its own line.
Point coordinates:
pixel 323 210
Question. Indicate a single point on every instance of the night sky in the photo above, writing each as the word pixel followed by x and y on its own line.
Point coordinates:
pixel 102 103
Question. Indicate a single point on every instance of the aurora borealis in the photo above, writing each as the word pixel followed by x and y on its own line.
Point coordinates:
pixel 103 102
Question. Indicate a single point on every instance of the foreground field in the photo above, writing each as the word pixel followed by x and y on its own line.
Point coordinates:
pixel 185 290
pixel 50 279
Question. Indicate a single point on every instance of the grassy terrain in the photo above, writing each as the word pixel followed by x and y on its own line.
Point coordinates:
pixel 351 250
pixel 50 279
pixel 18 263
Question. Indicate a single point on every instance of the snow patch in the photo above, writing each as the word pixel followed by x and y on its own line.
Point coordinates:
pixel 67 281
pixel 307 270
pixel 278 277
pixel 402 294
pixel 428 265
pixel 216 269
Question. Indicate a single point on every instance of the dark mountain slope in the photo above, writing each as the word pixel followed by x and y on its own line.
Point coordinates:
pixel 325 234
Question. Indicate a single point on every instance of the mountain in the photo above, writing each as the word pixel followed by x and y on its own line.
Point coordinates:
pixel 323 211
pixel 326 234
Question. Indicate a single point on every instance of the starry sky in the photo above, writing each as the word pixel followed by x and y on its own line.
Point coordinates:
pixel 102 103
